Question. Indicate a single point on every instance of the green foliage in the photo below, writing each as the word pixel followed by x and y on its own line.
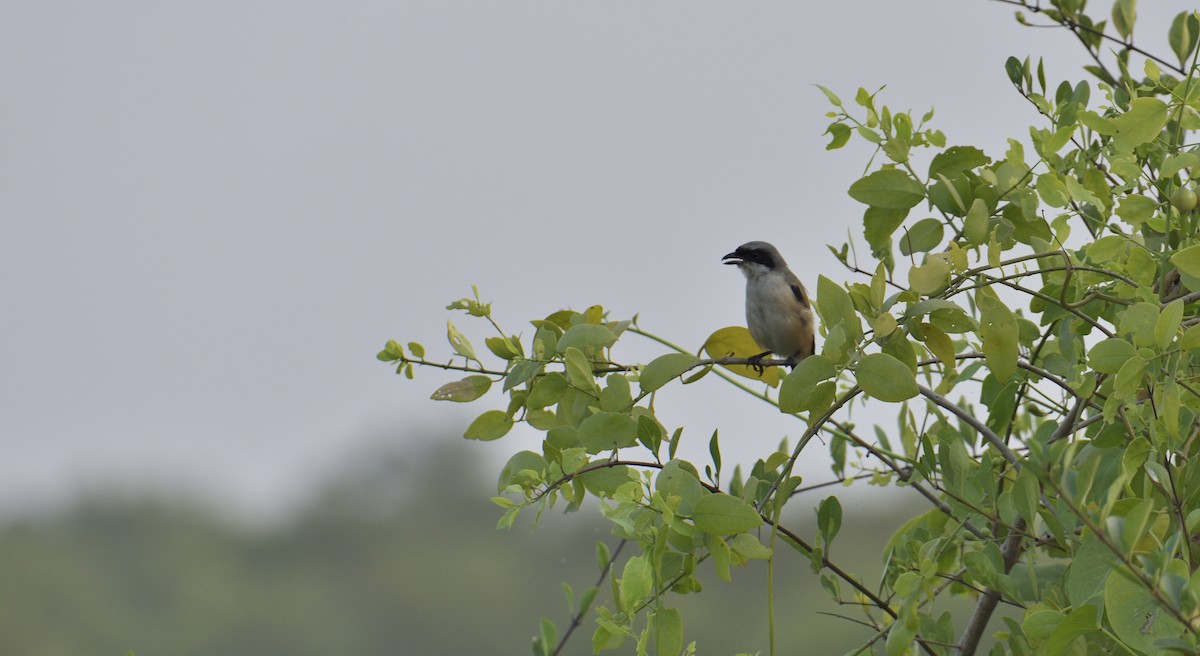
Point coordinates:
pixel 1052 285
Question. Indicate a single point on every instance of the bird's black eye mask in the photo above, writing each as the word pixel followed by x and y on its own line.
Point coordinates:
pixel 756 256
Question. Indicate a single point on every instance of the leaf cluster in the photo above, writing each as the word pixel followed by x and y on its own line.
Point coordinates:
pixel 1032 316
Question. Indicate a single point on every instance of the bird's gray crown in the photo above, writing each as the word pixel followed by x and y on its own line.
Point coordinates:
pixel 756 252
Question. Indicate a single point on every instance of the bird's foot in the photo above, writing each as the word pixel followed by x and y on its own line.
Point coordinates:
pixel 755 362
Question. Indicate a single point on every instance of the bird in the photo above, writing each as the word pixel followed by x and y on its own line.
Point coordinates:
pixel 778 311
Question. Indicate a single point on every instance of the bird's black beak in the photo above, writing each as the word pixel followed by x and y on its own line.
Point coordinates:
pixel 732 258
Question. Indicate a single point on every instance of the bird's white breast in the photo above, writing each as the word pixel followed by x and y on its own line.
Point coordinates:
pixel 776 318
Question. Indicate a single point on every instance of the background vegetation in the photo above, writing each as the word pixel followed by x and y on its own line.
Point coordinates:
pixel 389 559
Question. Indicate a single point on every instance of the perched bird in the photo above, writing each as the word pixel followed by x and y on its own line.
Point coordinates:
pixel 778 312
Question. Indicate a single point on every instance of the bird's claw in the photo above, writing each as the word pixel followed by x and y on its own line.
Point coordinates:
pixel 755 363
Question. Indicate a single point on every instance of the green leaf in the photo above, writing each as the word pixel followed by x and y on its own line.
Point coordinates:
pixel 976 222
pixel 491 425
pixel 940 344
pixel 999 332
pixel 840 134
pixel 929 278
pixel 795 394
pixel 1107 248
pixel 1188 260
pixel 579 371
pixel 735 341
pixel 667 627
pixel 923 237
pixel 676 480
pixel 548 636
pixel 664 368
pixel 1124 14
pixel 1176 163
pixel 721 514
pixel 586 335
pixel 1109 355
pixel 837 308
pixel 829 519
pixel 749 546
pixel 886 378
pixel 502 347
pixel 605 482
pixel 604 431
pixel 833 99
pixel 548 390
pixel 636 582
pixel 1134 526
pixel 1191 339
pixel 1089 569
pixel 1168 324
pixel 1081 620
pixel 523 468
pixel 1138 321
pixel 1136 209
pixel 1144 120
pixel 1182 35
pixel 461 391
pixel 879 224
pixel 1129 378
pixel 1134 615
pixel 1027 495
pixel 900 638
pixel 1098 123
pixel 459 342
pixel 888 189
pixel 956 159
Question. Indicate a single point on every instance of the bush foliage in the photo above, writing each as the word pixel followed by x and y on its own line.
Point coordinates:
pixel 1030 315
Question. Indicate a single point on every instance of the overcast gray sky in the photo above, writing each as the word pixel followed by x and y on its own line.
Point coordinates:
pixel 215 213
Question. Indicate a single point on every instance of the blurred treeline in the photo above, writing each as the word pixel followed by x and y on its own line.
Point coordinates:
pixel 398 555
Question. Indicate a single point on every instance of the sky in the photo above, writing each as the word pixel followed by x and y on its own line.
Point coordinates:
pixel 214 214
